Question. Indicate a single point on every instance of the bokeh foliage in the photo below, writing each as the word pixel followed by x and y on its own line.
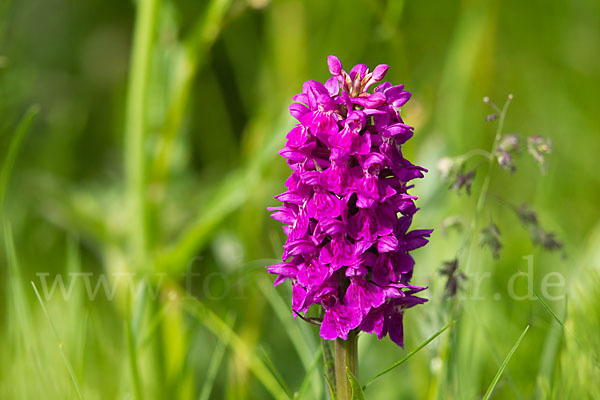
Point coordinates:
pixel 158 156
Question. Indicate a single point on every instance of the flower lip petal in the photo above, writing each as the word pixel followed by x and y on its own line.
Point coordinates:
pixel 402 132
pixel 396 95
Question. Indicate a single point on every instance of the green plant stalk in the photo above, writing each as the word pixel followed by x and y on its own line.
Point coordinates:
pixel 486 182
pixel 345 356
pixel 135 126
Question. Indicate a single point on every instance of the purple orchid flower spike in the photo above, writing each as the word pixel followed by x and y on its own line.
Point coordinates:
pixel 346 211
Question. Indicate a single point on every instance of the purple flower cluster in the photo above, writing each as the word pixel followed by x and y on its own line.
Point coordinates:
pixel 346 209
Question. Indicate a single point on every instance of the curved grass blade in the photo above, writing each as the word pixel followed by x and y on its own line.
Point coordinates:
pixel 328 362
pixel 357 392
pixel 227 197
pixel 504 364
pixel 215 363
pixel 303 348
pixel 409 355
pixel 220 329
pixel 331 388
pixel 13 149
pixel 305 383
pixel 59 343
pixel 269 363
pixel 193 56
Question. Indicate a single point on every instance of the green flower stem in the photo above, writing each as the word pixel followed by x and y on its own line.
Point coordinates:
pixel 135 127
pixel 345 356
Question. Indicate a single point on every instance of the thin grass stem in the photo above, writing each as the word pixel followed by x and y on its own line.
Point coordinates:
pixel 59 344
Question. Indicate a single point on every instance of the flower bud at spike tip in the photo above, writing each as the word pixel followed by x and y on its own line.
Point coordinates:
pixel 379 72
pixel 335 66
pixel 346 211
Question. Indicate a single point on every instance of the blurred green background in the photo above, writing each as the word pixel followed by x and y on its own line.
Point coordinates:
pixel 152 156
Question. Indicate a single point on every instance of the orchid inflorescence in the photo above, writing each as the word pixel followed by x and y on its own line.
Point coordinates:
pixel 346 211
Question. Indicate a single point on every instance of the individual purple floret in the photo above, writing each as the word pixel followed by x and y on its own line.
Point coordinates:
pixel 346 211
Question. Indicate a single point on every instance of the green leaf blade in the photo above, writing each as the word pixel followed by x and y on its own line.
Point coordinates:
pixel 357 392
pixel 409 355
pixel 504 364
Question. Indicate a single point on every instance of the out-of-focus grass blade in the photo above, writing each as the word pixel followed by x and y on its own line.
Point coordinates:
pixel 504 364
pixel 13 149
pixel 283 312
pixel 357 392
pixel 21 332
pixel 215 362
pixel 227 198
pixel 132 350
pixel 77 309
pixel 16 295
pixel 59 343
pixel 409 355
pixel 305 383
pixel 195 47
pixel 275 372
pixel 220 329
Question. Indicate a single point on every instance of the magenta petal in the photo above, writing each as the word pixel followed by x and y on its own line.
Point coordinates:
pixel 416 238
pixel 297 110
pixel 300 299
pixel 334 64
pixel 360 70
pixel 338 321
pixel 333 86
pixel 373 322
pixel 387 243
pixel 364 295
pixel 379 72
pixel 401 99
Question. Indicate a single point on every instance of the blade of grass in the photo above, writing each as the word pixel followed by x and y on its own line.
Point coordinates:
pixel 301 345
pixel 331 388
pixel 13 150
pixel 228 197
pixel 468 307
pixel 504 364
pixel 547 307
pixel 220 328
pixel 193 55
pixel 409 355
pixel 357 392
pixel 328 362
pixel 21 333
pixel 215 362
pixel 77 308
pixel 306 381
pixel 59 344
pixel 269 363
